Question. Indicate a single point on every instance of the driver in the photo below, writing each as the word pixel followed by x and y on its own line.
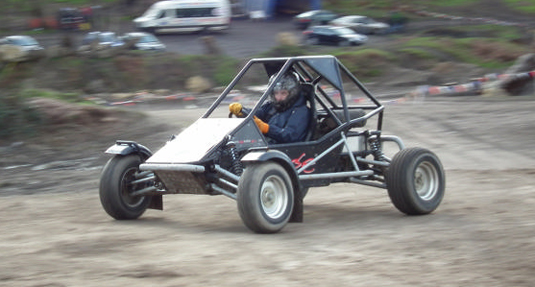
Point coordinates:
pixel 285 117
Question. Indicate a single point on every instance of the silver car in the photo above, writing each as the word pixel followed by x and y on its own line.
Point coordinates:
pixel 25 43
pixel 145 41
pixel 361 24
pixel 332 35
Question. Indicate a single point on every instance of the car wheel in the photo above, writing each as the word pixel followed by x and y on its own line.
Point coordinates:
pixel 312 41
pixel 116 188
pixel 344 43
pixel 265 197
pixel 415 181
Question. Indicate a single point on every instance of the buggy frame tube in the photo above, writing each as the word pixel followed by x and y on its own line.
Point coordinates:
pixel 143 179
pixel 356 172
pixel 369 183
pixel 228 89
pixel 335 174
pixel 144 191
pixel 226 173
pixel 223 192
pixel 320 156
pixel 172 166
pixel 394 139
pixel 227 183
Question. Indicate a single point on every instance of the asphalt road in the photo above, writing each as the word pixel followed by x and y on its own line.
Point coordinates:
pixel 245 38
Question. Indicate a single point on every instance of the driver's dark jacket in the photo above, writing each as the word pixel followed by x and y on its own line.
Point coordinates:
pixel 288 126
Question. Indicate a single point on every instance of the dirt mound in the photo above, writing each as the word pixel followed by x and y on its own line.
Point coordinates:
pixel 78 131
pixel 57 112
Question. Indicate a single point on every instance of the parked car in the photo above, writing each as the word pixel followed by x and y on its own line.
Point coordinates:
pixel 185 15
pixel 313 17
pixel 25 43
pixel 332 35
pixel 361 24
pixel 143 41
pixel 103 38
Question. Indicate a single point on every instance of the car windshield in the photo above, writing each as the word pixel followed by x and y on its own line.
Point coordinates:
pixel 148 39
pixel 309 13
pixel 106 38
pixel 343 31
pixel 151 12
pixel 24 41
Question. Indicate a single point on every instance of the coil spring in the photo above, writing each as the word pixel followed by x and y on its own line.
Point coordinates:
pixel 375 147
pixel 237 167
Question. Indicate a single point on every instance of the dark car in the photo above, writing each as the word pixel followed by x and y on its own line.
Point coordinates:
pixel 103 38
pixel 331 35
pixel 313 17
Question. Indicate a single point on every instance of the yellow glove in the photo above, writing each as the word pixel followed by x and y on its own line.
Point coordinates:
pixel 235 109
pixel 264 128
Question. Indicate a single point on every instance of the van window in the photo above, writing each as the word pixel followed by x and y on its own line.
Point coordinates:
pixel 160 15
pixel 195 12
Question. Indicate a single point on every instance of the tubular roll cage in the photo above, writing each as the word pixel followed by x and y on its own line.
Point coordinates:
pixel 228 180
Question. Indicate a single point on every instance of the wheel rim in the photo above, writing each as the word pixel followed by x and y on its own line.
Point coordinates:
pixel 312 41
pixel 344 44
pixel 426 181
pixel 274 197
pixel 127 188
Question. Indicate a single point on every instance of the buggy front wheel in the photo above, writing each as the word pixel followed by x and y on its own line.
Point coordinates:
pixel 415 181
pixel 265 197
pixel 116 187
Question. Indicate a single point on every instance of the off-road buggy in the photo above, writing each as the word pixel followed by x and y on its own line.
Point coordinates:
pixel 224 155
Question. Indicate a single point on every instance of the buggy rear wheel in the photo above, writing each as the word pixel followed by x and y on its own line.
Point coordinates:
pixel 116 188
pixel 415 181
pixel 265 197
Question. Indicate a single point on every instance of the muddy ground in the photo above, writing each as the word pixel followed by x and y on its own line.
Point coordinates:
pixel 53 231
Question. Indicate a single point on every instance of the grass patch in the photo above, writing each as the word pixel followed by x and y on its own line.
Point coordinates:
pixel 523 6
pixel 225 71
pixel 491 53
pixel 484 30
pixel 285 51
pixel 418 53
pixel 366 63
pixel 17 119
pixel 63 96
pixel 450 3
pixel 487 53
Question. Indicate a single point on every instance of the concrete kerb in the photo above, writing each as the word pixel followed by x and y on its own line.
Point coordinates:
pixel 477 86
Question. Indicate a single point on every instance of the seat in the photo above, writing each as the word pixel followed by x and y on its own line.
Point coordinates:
pixel 308 90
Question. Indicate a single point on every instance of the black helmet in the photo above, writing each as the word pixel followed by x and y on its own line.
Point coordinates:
pixel 290 83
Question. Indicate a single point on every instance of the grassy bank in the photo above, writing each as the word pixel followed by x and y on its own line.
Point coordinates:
pixel 492 47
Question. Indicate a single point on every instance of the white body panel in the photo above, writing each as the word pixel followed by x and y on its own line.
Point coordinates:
pixel 195 141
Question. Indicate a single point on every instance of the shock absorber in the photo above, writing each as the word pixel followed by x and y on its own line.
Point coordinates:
pixel 237 167
pixel 375 147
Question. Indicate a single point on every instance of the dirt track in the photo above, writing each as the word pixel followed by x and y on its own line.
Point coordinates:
pixel 482 234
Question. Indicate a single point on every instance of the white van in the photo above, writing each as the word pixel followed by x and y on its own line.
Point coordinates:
pixel 185 15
